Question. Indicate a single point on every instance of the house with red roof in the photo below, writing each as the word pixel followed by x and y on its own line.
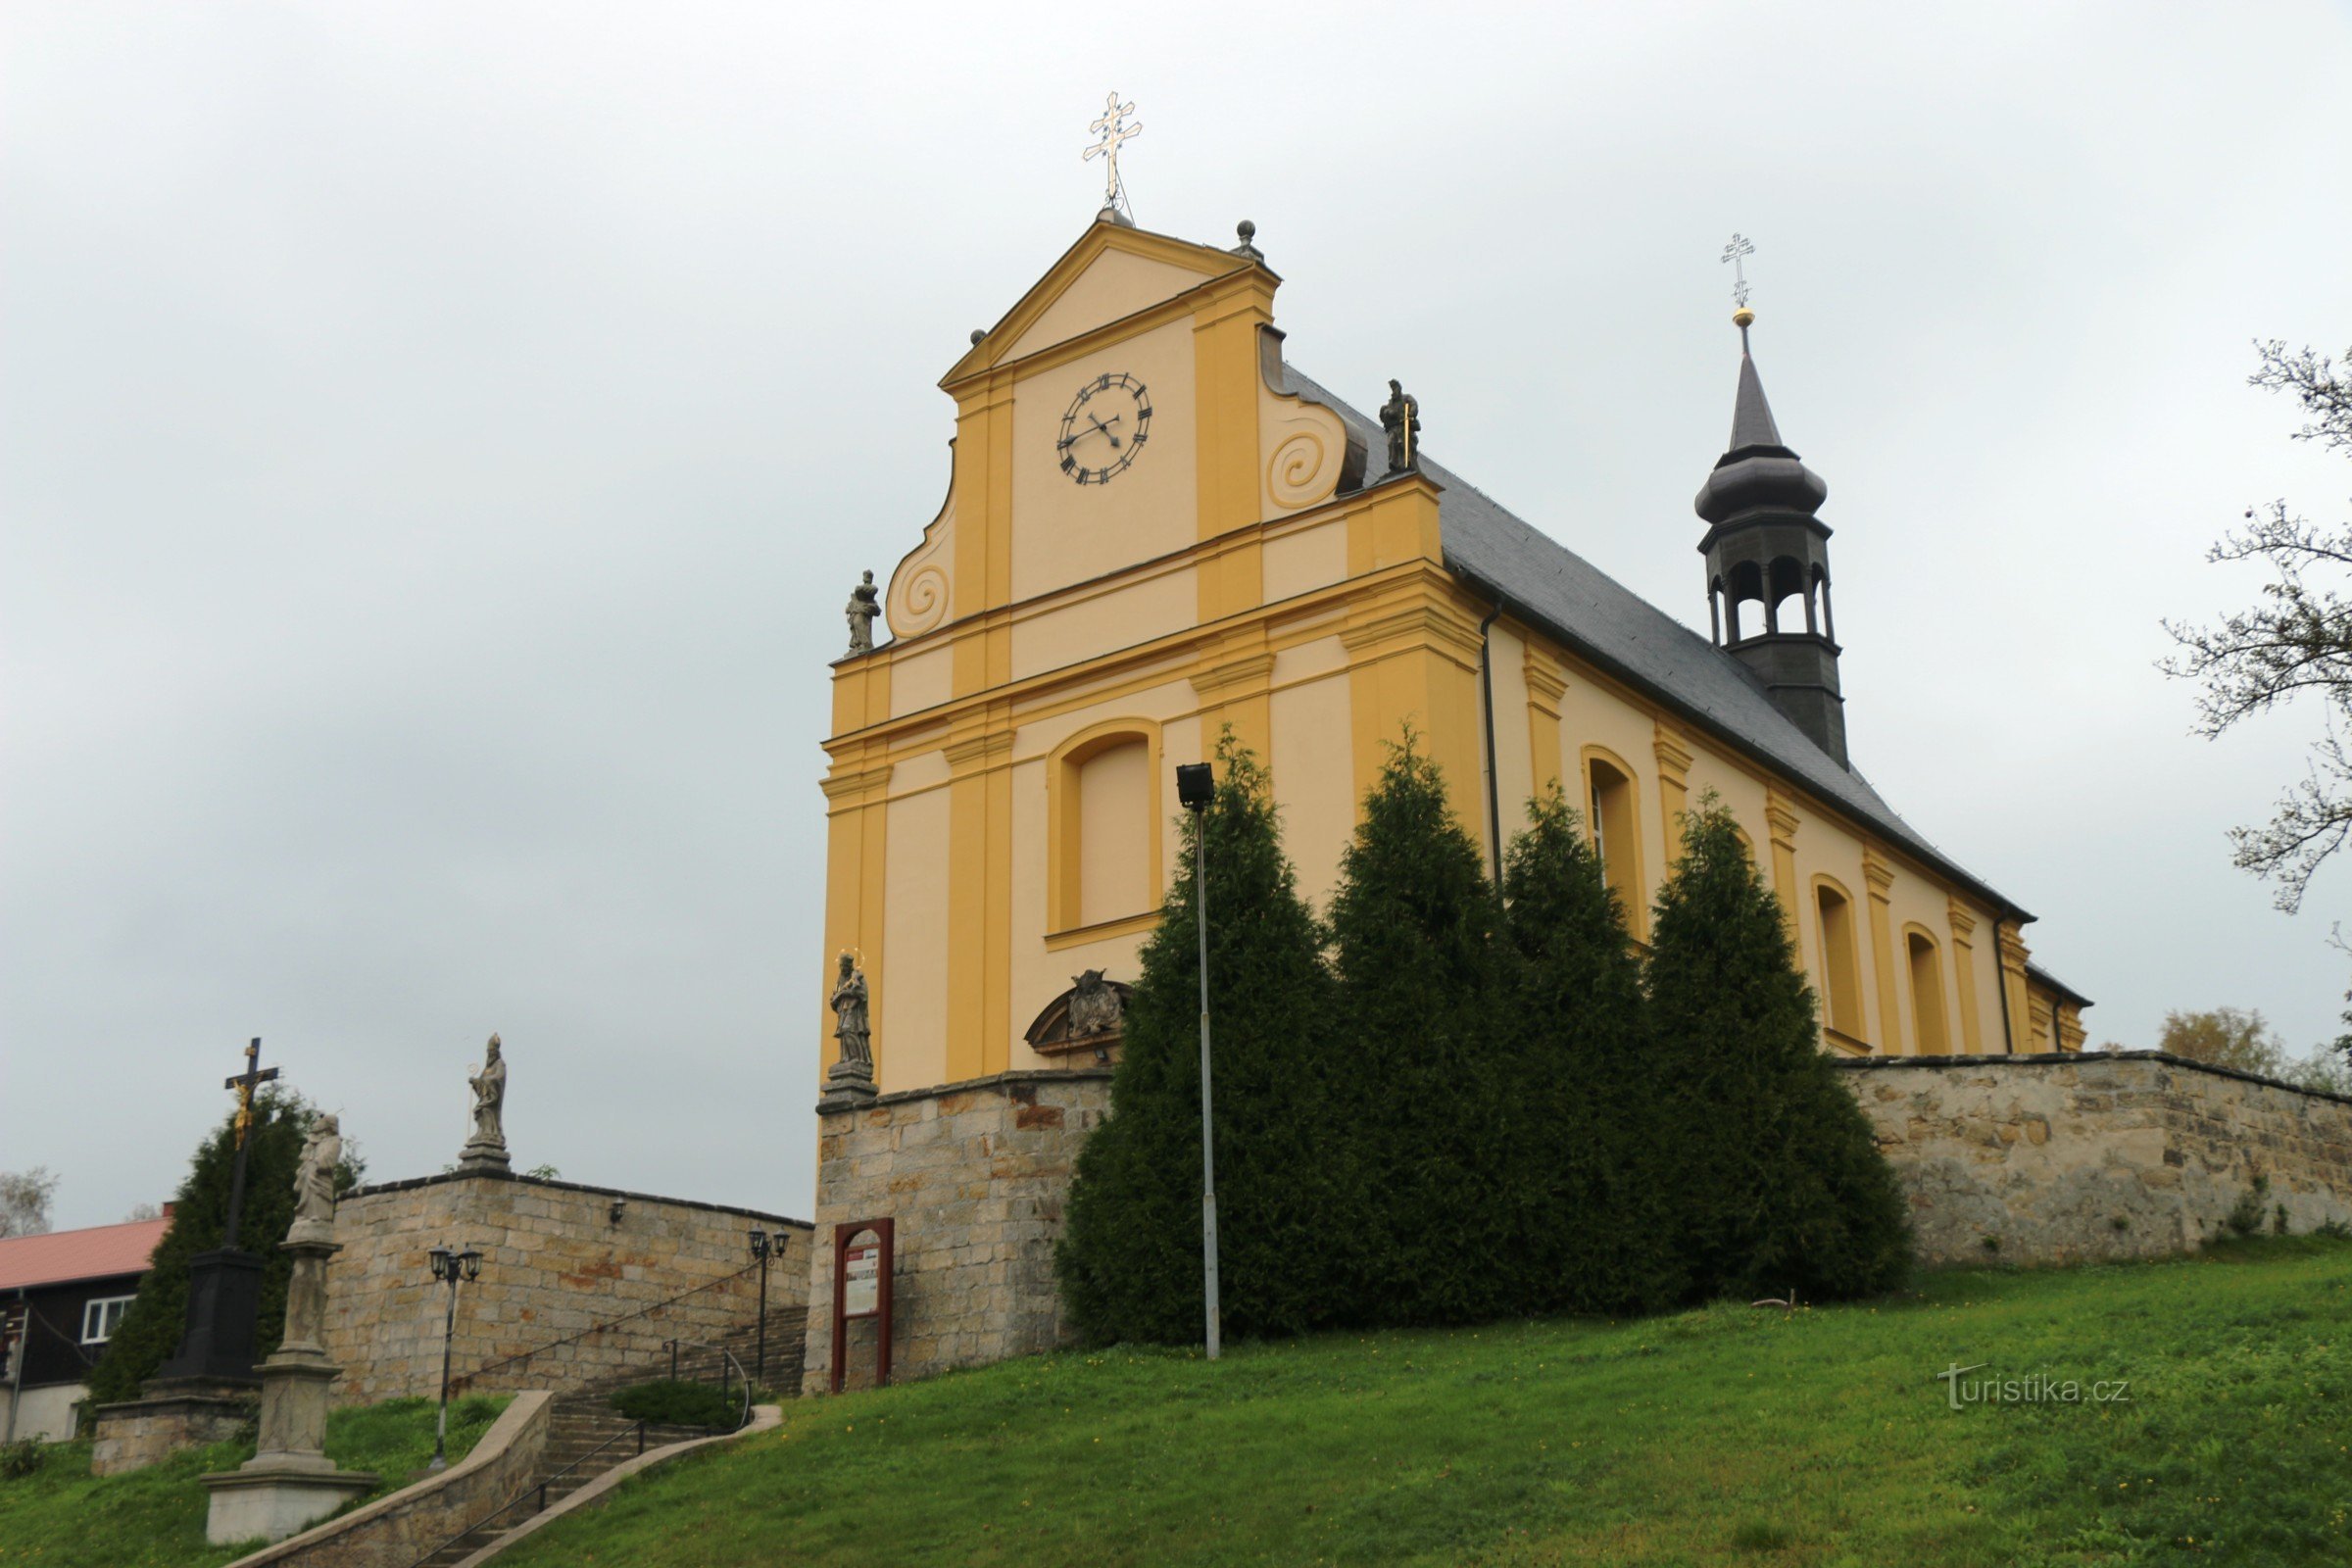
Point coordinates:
pixel 62 1296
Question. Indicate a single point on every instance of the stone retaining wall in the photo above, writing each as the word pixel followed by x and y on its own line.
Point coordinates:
pixel 2063 1158
pixel 976 1174
pixel 555 1261
pixel 394 1532
pixel 137 1433
pixel 2051 1158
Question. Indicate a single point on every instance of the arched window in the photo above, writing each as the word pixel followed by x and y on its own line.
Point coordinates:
pixel 1926 994
pixel 1105 827
pixel 1840 962
pixel 1786 581
pixel 1614 818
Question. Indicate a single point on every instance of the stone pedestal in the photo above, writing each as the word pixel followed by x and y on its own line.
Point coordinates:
pixel 224 1294
pixel 482 1158
pixel 850 1086
pixel 290 1483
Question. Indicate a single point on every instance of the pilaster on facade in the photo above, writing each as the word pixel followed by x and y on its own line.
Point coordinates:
pixel 1879 876
pixel 857 861
pixel 1672 749
pixel 2043 1014
pixel 1546 684
pixel 1781 824
pixel 1963 924
pixel 1412 652
pixel 2015 990
pixel 1234 687
pixel 979 875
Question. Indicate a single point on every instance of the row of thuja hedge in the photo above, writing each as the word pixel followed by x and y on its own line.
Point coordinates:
pixel 1447 1103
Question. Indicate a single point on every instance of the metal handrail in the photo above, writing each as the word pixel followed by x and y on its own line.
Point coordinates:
pixel 743 1416
pixel 464 1380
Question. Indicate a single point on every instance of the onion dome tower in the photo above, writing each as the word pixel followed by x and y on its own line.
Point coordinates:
pixel 1765 547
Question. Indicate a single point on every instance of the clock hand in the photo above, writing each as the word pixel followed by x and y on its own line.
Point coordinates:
pixel 1105 429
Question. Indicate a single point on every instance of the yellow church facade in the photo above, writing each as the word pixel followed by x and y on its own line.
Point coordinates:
pixel 1157 528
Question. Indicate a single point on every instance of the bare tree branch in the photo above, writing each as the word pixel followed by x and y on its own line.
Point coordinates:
pixel 2296 640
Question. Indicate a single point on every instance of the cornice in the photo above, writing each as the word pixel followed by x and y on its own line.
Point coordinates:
pixel 1963 923
pixel 1249 670
pixel 1674 757
pixel 844 783
pixel 1545 684
pixel 1878 873
pixel 977 753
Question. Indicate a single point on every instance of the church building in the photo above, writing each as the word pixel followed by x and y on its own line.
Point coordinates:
pixel 1156 527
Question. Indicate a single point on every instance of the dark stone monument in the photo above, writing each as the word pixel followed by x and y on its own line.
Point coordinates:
pixel 206 1391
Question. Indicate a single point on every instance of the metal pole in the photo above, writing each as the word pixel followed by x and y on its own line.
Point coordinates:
pixel 763 1316
pixel 449 1326
pixel 1208 1137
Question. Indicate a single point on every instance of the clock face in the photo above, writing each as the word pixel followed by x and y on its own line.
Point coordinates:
pixel 1105 429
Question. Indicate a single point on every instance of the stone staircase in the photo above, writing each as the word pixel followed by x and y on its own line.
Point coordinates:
pixel 587 1436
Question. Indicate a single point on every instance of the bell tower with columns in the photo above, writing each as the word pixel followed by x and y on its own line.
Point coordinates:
pixel 1768 563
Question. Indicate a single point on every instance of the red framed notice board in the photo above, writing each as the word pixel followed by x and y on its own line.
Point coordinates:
pixel 864 1255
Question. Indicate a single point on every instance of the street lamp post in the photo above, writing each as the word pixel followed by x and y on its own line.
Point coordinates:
pixel 449 1268
pixel 1196 787
pixel 764 1248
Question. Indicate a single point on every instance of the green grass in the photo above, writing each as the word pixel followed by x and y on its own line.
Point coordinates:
pixel 63 1517
pixel 1729 1434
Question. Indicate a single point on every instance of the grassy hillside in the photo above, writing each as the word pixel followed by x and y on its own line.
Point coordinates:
pixel 1730 1435
pixel 63 1517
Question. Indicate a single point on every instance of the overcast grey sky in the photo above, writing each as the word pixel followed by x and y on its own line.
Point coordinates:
pixel 435 441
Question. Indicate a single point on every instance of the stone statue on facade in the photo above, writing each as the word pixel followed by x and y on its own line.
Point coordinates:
pixel 1096 1007
pixel 1401 417
pixel 850 1025
pixel 487 1147
pixel 314 1178
pixel 865 602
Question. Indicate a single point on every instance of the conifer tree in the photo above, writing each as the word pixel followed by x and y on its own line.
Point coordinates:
pixel 1130 1256
pixel 1427 1082
pixel 1590 1155
pixel 1779 1182
pixel 152 1325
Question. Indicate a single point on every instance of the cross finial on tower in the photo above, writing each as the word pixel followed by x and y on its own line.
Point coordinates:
pixel 1737 253
pixel 1112 129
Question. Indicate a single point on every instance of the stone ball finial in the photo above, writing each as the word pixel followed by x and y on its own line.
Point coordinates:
pixel 979 335
pixel 1247 229
pixel 1246 249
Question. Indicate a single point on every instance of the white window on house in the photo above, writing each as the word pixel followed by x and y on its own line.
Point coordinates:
pixel 101 1317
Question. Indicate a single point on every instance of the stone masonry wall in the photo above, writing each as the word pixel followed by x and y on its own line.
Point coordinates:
pixel 975 1175
pixel 555 1263
pixel 2059 1158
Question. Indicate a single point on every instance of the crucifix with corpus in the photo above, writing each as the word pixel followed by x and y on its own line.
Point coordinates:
pixel 243 1084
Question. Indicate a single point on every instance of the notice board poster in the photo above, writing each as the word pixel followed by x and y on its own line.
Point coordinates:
pixel 862 1282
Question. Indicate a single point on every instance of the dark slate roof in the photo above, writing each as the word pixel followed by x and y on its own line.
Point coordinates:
pixel 1752 417
pixel 1544 582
